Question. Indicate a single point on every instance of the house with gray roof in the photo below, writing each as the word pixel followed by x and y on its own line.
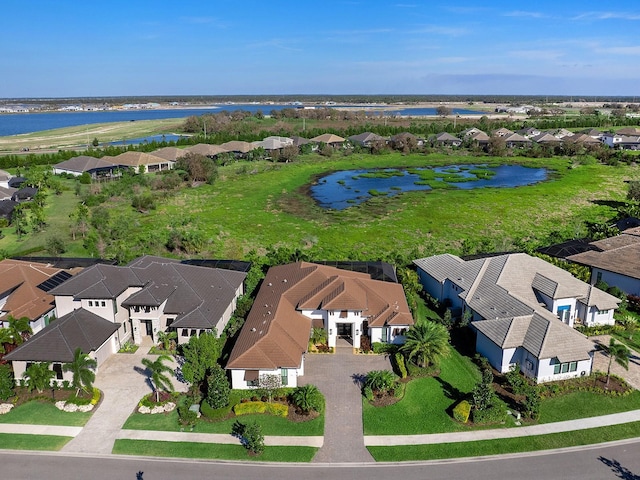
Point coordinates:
pixel 95 167
pixel 614 260
pixel 366 139
pixel 153 294
pixel 57 342
pixel 523 310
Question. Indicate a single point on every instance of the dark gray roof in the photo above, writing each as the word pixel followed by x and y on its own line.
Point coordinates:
pixel 366 137
pixel 84 163
pixel 58 341
pixel 184 289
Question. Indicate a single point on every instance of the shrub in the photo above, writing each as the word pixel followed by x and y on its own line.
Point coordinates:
pixel 380 381
pixel 253 438
pixel 248 408
pixel 380 348
pixel 368 393
pixel 217 388
pixel 399 363
pixel 6 382
pixel 307 398
pixel 214 413
pixel 277 409
pixel 462 411
pixel 186 416
pixel 516 380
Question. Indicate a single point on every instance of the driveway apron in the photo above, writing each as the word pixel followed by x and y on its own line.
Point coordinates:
pixel 123 381
pixel 339 377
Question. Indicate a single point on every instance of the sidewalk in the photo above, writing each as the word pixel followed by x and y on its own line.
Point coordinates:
pixel 221 438
pixel 543 429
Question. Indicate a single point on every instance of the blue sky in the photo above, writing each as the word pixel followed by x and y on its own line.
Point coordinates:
pixel 225 47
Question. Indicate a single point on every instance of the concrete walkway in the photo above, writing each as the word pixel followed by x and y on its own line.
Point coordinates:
pixel 123 381
pixel 339 378
pixel 543 429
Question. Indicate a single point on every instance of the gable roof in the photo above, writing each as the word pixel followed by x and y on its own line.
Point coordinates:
pixel 366 137
pixel 237 146
pixel 276 334
pixel 21 282
pixel 58 341
pixel 541 336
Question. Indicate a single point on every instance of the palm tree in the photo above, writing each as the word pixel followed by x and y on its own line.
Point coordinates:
pixel 630 324
pixel 20 328
pixel 39 376
pixel 426 342
pixel 82 366
pixel 158 373
pixel 307 398
pixel 6 338
pixel 619 353
pixel 166 338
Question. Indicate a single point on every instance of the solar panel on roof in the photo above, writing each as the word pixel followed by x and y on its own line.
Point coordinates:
pixel 54 281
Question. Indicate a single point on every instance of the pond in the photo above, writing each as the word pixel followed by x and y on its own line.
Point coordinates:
pixel 347 188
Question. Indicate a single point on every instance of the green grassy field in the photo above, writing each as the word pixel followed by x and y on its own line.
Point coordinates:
pixel 211 451
pixel 256 205
pixel 271 425
pixel 44 413
pixel 17 441
pixel 84 134
pixel 505 445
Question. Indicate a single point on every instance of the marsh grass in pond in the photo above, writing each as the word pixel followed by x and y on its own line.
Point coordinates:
pixel 340 190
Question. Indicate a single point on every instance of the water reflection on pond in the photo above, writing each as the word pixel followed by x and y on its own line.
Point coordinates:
pixel 346 188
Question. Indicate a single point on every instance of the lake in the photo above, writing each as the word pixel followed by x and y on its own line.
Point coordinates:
pixel 343 189
pixel 17 123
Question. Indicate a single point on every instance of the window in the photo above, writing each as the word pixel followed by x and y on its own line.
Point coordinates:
pixel 124 324
pixel 603 312
pixel 170 321
pixel 185 332
pixel 598 277
pixel 284 374
pixel 103 303
pixel 91 303
pixel 559 368
pixel 385 334
pixel 193 332
pixel 399 332
pixel 564 313
pixel 57 367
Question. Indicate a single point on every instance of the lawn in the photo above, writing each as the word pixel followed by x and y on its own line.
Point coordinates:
pixel 633 343
pixel 18 441
pixel 271 425
pixel 252 204
pixel 426 401
pixel 211 451
pixel 44 413
pixel 505 445
pixel 585 404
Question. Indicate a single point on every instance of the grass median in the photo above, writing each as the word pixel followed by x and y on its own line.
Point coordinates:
pixel 20 441
pixel 506 445
pixel 154 448
pixel 44 413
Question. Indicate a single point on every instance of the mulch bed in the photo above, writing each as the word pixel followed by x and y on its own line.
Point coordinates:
pixel 384 400
pixel 23 395
pixel 298 417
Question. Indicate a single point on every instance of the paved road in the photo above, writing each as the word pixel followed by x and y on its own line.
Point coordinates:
pixel 599 462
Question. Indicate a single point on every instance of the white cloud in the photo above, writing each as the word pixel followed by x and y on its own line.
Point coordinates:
pixel 520 13
pixel 536 54
pixel 442 30
pixel 632 50
pixel 607 16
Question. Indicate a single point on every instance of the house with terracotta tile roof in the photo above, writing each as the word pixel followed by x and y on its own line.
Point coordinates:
pixel 297 297
pixel 522 309
pixel 25 291
pixel 614 260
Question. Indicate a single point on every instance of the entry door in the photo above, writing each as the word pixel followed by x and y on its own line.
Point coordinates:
pixel 344 329
pixel 149 328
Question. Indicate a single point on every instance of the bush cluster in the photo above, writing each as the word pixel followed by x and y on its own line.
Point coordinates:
pixel 462 411
pixel 247 408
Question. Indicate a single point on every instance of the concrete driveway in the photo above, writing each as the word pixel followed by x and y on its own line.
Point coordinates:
pixel 123 381
pixel 338 376
pixel 601 363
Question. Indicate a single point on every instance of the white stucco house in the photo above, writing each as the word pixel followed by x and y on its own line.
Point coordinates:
pixel 296 297
pixel 615 261
pixel 523 310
